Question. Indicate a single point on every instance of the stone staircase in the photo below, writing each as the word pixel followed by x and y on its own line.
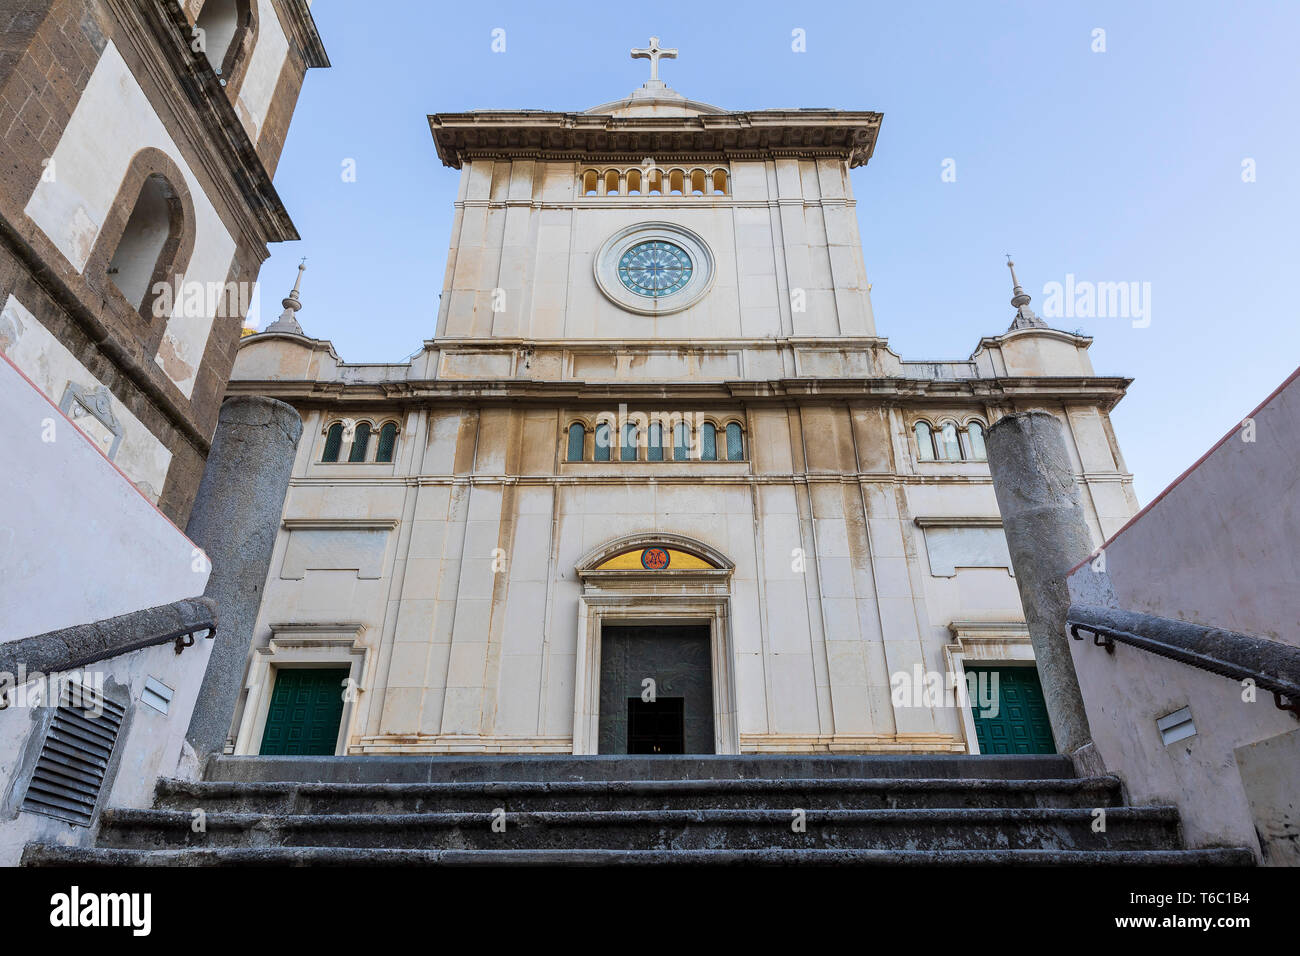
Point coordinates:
pixel 548 810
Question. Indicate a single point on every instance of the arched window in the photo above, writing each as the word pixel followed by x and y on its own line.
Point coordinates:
pixel 720 181
pixel 589 180
pixel 387 442
pixel 655 446
pixel 611 183
pixel 226 25
pixel 924 441
pixel 681 442
pixel 634 182
pixel 149 243
pixel 629 442
pixel 603 442
pixel 735 442
pixel 656 187
pixel 146 240
pixel 698 182
pixel 946 443
pixel 218 21
pixel 974 436
pixel 360 442
pixel 577 436
pixel 708 442
pixel 676 182
pixel 333 442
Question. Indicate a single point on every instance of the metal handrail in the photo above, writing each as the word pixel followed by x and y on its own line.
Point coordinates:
pixel 74 647
pixel 1269 664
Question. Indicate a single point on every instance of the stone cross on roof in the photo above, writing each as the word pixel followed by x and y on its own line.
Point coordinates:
pixel 653 53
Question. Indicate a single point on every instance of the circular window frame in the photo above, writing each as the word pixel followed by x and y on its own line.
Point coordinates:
pixel 605 267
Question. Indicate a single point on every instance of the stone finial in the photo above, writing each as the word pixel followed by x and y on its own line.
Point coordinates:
pixel 287 322
pixel 1025 317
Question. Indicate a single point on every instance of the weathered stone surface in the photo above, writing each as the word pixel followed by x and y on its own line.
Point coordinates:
pixel 382 768
pixel 348 856
pixel 83 644
pixel 1047 534
pixel 984 828
pixel 235 521
pixel 849 793
pixel 1226 653
pixel 897 811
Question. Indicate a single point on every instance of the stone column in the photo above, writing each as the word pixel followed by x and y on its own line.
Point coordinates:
pixel 235 519
pixel 1047 535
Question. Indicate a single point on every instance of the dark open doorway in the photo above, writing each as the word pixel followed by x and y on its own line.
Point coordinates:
pixel 656 690
pixel 656 727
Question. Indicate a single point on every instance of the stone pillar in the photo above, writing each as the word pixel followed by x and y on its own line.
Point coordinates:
pixel 235 519
pixel 1047 535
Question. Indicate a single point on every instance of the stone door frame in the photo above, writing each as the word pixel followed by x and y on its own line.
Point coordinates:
pixel 300 645
pixel 655 598
pixel 985 644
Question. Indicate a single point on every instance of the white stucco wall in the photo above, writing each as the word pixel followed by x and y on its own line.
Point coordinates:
pixel 51 367
pixel 1217 548
pixel 268 56
pixel 112 121
pixel 150 744
pixel 78 542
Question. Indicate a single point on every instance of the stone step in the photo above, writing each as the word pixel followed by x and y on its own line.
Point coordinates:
pixel 550 767
pixel 1127 828
pixel 53 855
pixel 826 793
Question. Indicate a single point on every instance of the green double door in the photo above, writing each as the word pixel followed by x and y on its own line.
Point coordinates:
pixel 1018 724
pixel 306 707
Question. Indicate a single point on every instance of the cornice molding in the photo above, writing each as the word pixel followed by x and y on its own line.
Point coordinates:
pixel 1104 392
pixel 850 136
pixel 303 33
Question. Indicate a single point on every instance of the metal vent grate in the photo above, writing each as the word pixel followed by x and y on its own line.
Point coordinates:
pixel 74 758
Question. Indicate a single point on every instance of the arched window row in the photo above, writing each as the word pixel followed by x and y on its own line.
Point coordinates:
pixel 949 441
pixel 655 441
pixel 365 441
pixel 653 181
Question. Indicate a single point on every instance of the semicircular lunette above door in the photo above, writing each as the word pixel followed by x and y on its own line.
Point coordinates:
pixel 655 558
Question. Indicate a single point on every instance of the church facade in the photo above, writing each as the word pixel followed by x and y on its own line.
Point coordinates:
pixel 656 484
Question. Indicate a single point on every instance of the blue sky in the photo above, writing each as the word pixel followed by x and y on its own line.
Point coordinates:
pixel 1116 166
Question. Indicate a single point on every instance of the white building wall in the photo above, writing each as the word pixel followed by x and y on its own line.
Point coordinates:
pixel 522 228
pixel 120 555
pixel 113 121
pixel 473 625
pixel 52 368
pixel 267 60
pixel 60 487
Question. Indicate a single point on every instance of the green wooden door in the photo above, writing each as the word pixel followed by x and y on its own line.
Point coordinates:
pixel 1020 724
pixel 306 707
